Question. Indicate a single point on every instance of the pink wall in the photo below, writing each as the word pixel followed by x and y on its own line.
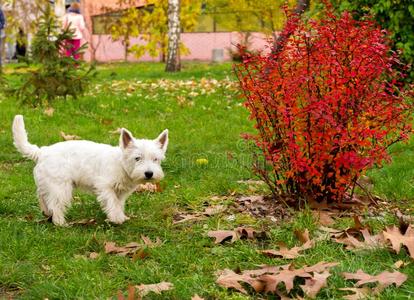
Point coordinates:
pixel 200 45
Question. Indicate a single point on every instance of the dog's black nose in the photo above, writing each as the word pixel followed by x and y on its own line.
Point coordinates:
pixel 148 174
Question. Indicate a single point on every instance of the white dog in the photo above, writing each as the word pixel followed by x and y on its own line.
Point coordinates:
pixel 112 173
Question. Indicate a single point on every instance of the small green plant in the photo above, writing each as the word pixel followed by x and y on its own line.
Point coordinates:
pixel 52 74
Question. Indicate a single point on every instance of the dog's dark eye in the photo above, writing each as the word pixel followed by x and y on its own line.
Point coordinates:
pixel 138 158
pixel 156 160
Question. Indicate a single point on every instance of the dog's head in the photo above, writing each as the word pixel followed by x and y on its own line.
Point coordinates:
pixel 142 158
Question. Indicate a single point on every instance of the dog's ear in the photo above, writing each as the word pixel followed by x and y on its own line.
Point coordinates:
pixel 162 139
pixel 125 139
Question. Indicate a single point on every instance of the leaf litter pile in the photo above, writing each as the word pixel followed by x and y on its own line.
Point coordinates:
pixel 287 281
pixel 183 91
pixel 282 280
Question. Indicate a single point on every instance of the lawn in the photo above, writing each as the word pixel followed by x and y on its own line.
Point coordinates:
pixel 202 110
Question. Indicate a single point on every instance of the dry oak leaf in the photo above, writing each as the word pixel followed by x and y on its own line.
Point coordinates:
pixel 313 285
pixel 268 278
pixel 230 279
pixel 324 218
pixel 302 236
pixel 223 235
pixel 144 289
pixel 265 270
pixel 285 252
pixel 397 239
pixel 69 137
pixel 213 210
pixel 233 235
pixel 384 279
pixel 292 253
pixel 128 250
pixel 286 276
pixel 187 217
pixel 359 293
pixel 320 267
pixel 370 241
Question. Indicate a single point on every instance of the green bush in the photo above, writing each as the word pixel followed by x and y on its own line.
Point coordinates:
pixel 51 74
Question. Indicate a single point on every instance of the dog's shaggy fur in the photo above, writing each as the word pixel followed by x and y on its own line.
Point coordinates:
pixel 112 173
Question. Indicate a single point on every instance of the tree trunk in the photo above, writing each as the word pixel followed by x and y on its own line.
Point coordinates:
pixel 174 28
pixel 280 41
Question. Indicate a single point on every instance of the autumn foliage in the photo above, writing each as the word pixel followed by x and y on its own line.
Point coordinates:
pixel 326 106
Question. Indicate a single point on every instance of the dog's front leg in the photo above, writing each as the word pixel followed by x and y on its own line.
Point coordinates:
pixel 113 206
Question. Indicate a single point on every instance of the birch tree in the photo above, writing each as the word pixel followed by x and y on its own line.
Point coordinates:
pixel 149 24
pixel 174 28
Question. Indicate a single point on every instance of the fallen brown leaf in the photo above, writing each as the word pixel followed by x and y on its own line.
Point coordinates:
pixel 397 239
pixel 302 236
pixel 265 270
pixel 213 210
pixel 69 137
pixel 229 279
pixel 358 293
pixel 369 241
pixel 291 253
pixel 128 250
pixel 224 235
pixel 286 276
pixel 313 285
pixel 323 217
pixel 233 235
pixel 267 278
pixel 320 267
pixel 181 218
pixel 248 232
pixel 285 252
pixel 384 279
pixel 144 289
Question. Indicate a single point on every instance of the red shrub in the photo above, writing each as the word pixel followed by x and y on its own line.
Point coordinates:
pixel 326 107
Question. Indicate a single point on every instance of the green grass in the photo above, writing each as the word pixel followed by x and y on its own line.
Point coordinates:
pixel 39 260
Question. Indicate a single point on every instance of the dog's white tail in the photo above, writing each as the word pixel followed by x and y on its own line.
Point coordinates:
pixel 20 139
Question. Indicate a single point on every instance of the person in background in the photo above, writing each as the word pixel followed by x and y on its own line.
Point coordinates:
pixel 20 45
pixel 74 21
pixel 2 34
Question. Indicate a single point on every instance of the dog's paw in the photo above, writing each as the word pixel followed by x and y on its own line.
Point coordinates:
pixel 59 221
pixel 118 219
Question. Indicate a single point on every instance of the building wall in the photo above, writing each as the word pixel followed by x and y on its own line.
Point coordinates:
pixel 200 45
